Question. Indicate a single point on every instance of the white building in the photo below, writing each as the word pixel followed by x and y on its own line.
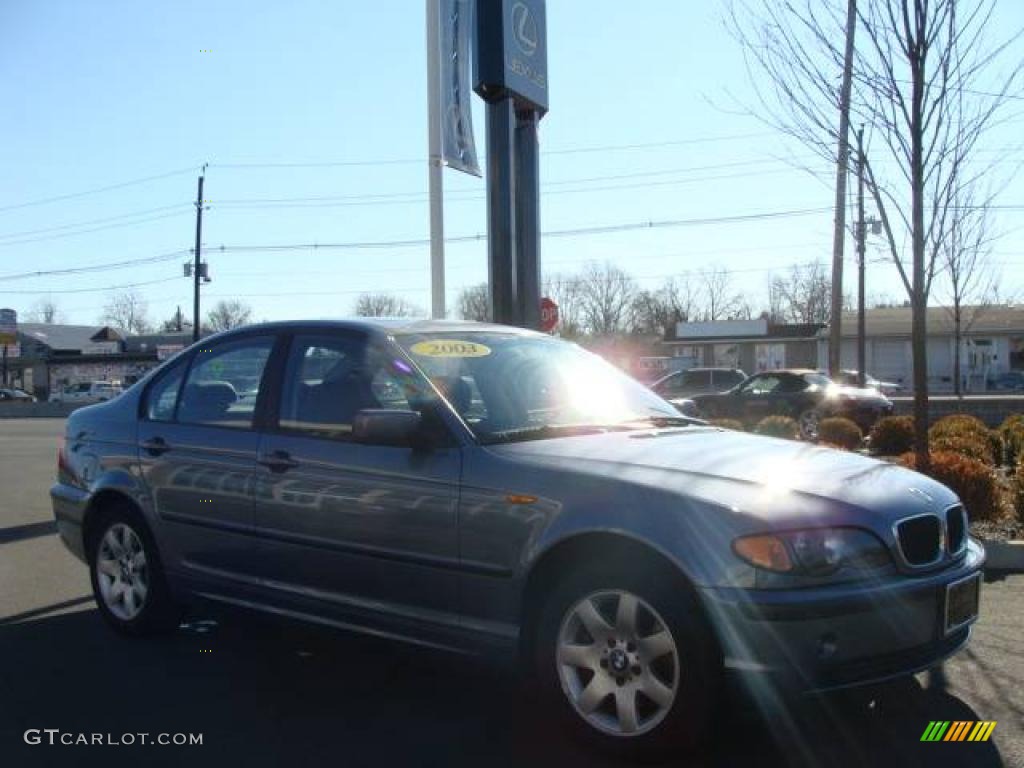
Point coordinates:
pixel 993 344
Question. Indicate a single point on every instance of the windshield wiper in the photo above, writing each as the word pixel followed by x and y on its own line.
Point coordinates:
pixel 543 431
pixel 666 421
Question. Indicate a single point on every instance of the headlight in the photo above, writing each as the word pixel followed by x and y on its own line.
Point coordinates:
pixel 812 556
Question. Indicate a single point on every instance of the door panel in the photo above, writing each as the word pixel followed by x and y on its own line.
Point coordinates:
pixel 369 530
pixel 197 450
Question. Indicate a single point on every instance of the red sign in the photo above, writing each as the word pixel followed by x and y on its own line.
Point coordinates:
pixel 548 315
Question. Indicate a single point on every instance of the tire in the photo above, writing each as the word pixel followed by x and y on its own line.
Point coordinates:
pixel 127 578
pixel 809 420
pixel 653 689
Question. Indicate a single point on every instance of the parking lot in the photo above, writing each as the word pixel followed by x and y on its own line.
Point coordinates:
pixel 261 694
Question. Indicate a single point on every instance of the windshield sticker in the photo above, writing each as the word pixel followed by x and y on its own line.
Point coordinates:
pixel 449 348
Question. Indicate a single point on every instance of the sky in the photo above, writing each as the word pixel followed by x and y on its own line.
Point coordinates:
pixel 111 107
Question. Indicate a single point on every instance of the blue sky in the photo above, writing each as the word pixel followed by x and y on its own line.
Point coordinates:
pixel 100 93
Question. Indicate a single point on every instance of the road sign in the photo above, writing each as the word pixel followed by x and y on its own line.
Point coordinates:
pixel 8 326
pixel 548 315
pixel 512 52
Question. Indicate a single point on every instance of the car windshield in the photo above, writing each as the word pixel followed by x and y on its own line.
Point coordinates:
pixel 819 380
pixel 514 387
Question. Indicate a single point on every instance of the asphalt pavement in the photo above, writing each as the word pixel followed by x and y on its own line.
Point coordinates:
pixel 265 694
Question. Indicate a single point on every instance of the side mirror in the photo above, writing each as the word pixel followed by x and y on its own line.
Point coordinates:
pixel 386 426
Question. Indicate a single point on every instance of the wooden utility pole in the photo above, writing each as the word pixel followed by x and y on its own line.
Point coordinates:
pixel 197 269
pixel 842 167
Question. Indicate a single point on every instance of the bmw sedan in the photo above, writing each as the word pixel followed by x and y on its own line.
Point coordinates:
pixel 488 490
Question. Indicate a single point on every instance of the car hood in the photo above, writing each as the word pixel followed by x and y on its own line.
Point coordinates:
pixel 762 476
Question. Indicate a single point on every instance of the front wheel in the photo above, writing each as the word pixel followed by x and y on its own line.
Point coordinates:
pixel 627 660
pixel 809 421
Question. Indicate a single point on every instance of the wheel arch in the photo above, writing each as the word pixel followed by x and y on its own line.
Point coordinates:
pixel 588 546
pixel 102 501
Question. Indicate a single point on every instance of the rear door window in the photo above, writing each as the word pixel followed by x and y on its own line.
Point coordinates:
pixel 223 383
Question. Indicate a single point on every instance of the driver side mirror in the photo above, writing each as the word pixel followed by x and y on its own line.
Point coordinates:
pixel 387 426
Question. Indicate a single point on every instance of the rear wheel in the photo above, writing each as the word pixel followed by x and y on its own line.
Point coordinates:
pixel 127 580
pixel 627 661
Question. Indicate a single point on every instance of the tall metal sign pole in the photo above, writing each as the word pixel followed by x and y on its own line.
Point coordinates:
pixel 435 162
pixel 512 77
pixel 450 118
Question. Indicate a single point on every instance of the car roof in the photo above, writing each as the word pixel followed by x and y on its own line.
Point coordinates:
pixel 393 326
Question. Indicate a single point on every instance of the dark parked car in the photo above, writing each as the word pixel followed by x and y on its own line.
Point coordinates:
pixel 807 396
pixel 697 381
pixel 495 491
pixel 15 396
pixel 852 379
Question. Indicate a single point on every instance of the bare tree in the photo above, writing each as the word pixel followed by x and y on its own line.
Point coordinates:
pixel 565 291
pixel 802 296
pixel 659 310
pixel 721 301
pixel 176 323
pixel 385 305
pixel 920 84
pixel 606 298
pixel 474 303
pixel 45 311
pixel 969 279
pixel 127 311
pixel 228 314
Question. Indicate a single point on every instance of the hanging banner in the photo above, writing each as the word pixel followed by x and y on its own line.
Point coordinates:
pixel 458 147
pixel 8 326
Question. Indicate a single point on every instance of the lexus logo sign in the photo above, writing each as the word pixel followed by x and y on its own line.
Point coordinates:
pixel 524 29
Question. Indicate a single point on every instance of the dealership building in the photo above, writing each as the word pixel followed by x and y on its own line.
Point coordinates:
pixel 48 357
pixel 992 344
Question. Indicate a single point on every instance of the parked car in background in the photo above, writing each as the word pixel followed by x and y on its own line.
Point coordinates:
pixel 496 491
pixel 852 379
pixel 697 381
pixel 1011 381
pixel 87 392
pixel 807 396
pixel 15 396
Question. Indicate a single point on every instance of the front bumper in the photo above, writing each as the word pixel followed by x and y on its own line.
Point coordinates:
pixel 825 638
pixel 69 505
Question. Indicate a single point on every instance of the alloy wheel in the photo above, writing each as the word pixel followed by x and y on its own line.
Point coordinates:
pixel 121 572
pixel 617 662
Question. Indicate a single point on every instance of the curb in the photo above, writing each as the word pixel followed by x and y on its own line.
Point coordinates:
pixel 1004 556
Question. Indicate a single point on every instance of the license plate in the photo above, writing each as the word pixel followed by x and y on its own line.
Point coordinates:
pixel 962 602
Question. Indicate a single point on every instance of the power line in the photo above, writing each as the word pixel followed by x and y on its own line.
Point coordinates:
pixel 563 151
pixel 95 290
pixel 93 229
pixel 594 230
pixel 94 221
pixel 97 190
pixel 96 267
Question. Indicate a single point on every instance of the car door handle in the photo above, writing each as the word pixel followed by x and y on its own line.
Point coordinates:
pixel 156 446
pixel 277 461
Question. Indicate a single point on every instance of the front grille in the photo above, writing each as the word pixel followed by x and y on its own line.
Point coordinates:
pixel 956 529
pixel 920 539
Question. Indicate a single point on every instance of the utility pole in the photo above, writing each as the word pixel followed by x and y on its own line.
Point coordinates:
pixel 839 231
pixel 197 269
pixel 862 234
